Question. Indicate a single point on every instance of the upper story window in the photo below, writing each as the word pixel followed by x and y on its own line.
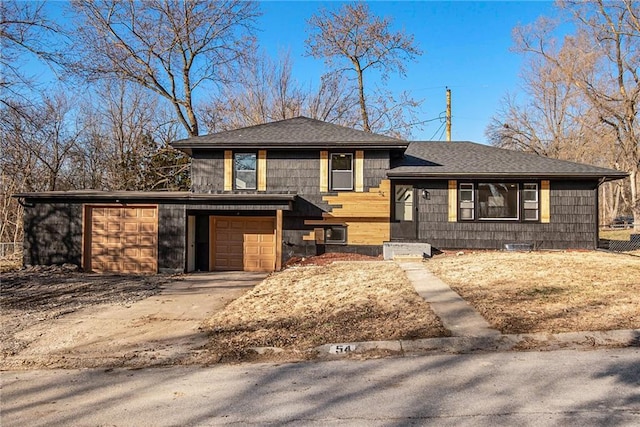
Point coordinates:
pixel 342 171
pixel 245 169
pixel 498 201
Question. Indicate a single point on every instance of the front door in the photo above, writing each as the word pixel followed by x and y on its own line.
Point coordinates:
pixel 405 224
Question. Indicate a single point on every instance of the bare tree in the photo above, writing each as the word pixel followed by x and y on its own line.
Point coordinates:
pixel 268 92
pixel 125 142
pixel 47 134
pixel 551 121
pixel 354 40
pixel 171 47
pixel 597 68
pixel 333 101
pixel 24 31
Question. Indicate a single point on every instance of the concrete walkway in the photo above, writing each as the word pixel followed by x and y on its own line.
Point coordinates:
pixel 456 314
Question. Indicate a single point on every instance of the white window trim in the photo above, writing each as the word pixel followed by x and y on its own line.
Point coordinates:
pixel 255 171
pixel 331 186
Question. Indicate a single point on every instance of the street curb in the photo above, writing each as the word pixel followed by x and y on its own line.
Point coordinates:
pixel 511 342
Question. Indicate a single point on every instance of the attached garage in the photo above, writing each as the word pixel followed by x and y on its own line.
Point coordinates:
pixel 243 243
pixel 121 239
pixel 134 232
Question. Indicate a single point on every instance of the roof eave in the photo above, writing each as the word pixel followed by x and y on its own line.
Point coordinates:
pixel 504 175
pixel 149 197
pixel 298 145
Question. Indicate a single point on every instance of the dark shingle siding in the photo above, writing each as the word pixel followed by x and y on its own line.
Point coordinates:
pixel 376 164
pixel 53 234
pixel 573 221
pixel 172 231
pixel 207 171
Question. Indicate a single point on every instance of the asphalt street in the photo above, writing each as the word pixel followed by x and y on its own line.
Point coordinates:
pixel 564 387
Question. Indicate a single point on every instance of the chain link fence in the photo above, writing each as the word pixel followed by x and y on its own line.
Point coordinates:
pixel 620 239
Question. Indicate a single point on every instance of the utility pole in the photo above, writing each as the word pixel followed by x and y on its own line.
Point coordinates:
pixel 448 114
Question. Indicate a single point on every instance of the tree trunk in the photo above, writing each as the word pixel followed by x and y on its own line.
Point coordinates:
pixel 363 103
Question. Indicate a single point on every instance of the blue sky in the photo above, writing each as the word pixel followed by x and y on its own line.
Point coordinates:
pixel 466 47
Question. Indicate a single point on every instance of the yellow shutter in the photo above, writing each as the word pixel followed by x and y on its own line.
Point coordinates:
pixel 453 201
pixel 228 170
pixel 359 172
pixel 545 203
pixel 262 170
pixel 324 171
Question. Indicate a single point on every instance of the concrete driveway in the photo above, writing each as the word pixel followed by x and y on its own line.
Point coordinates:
pixel 159 330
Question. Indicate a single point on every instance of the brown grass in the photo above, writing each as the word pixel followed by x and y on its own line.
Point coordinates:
pixel 616 234
pixel 547 291
pixel 303 307
pixel 10 264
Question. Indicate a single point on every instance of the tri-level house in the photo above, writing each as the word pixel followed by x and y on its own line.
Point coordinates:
pixel 300 187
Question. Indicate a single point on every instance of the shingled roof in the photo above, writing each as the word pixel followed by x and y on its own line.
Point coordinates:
pixel 298 132
pixel 439 159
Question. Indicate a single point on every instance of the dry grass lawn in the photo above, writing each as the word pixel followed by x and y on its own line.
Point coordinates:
pixel 303 307
pixel 547 291
pixel 616 234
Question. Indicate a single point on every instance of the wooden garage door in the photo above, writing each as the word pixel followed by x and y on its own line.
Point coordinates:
pixel 243 243
pixel 123 239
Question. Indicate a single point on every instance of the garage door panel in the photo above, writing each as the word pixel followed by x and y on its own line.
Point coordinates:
pixel 147 240
pixel 147 227
pixel 132 239
pixel 113 226
pixel 147 253
pixel 131 227
pixel 131 252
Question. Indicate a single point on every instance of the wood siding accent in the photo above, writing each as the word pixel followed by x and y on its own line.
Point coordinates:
pixel 262 170
pixel 324 171
pixel 545 212
pixel 359 171
pixel 453 201
pixel 228 170
pixel 366 214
